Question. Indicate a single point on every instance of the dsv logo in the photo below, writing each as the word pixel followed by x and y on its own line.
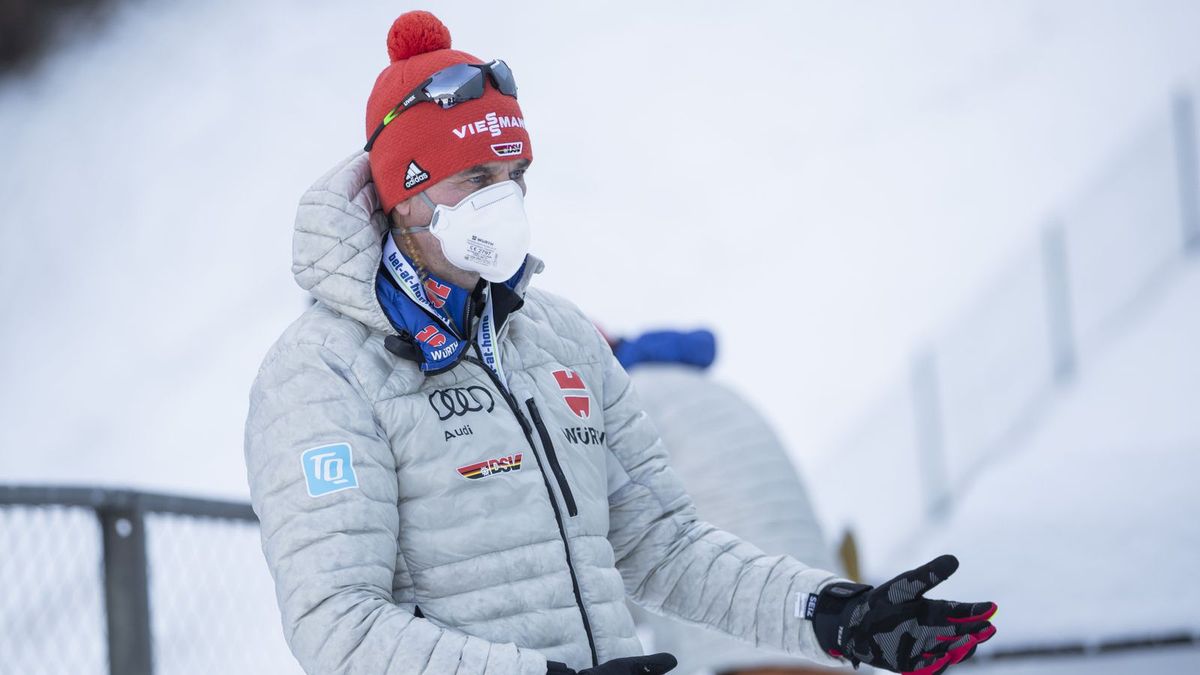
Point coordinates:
pixel 448 403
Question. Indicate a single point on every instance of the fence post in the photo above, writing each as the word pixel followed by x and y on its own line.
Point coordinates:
pixel 126 589
pixel 1058 301
pixel 927 420
pixel 1183 114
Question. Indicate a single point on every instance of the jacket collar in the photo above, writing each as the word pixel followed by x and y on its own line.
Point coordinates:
pixel 437 335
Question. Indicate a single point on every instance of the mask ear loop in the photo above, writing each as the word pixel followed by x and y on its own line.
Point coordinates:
pixel 411 246
pixel 432 207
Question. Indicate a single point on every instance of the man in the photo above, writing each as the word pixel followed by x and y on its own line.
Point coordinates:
pixel 452 473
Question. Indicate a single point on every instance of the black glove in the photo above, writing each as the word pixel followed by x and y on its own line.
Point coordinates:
pixel 893 627
pixel 654 664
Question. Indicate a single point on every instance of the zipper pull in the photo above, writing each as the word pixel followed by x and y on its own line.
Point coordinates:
pixel 525 426
pixel 468 314
pixel 403 346
pixel 534 412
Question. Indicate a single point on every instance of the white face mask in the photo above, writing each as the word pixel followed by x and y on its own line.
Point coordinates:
pixel 487 232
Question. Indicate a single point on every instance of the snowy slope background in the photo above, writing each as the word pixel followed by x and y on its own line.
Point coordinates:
pixel 1088 531
pixel 824 182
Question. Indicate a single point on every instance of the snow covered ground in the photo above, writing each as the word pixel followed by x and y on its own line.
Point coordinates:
pixel 1088 531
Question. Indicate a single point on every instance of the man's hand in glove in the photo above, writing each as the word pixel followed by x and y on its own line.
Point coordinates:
pixel 893 627
pixel 654 664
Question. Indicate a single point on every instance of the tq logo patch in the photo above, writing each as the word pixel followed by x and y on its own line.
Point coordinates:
pixel 328 468
pixel 459 401
pixel 575 393
pixel 491 467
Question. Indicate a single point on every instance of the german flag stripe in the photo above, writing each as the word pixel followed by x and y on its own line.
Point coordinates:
pixel 472 470
pixel 476 470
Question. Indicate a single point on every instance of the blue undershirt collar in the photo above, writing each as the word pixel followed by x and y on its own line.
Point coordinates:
pixel 454 308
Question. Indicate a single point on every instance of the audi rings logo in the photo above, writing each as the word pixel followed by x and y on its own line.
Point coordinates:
pixel 449 403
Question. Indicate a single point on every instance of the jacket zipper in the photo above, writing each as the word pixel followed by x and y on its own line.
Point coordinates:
pixel 553 457
pixel 562 530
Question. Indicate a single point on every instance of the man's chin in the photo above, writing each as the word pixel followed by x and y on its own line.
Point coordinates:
pixel 459 277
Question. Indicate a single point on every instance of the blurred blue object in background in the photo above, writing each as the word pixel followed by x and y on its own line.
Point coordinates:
pixel 692 348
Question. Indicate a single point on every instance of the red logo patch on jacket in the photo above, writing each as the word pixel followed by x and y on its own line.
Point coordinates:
pixel 489 467
pixel 575 393
pixel 436 293
pixel 431 336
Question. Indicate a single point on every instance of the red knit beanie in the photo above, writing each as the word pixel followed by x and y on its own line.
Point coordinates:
pixel 426 143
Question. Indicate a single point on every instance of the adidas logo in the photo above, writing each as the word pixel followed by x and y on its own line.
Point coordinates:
pixel 415 175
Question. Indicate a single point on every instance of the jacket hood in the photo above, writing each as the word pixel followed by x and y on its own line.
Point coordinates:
pixel 338 243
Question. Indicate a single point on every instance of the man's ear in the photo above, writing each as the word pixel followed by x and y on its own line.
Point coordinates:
pixel 401 211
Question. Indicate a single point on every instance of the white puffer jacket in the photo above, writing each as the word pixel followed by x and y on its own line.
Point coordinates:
pixel 760 497
pixel 449 525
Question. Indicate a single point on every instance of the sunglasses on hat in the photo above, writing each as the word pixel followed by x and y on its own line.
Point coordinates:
pixel 450 86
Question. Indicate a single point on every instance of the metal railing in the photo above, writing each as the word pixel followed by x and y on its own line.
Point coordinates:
pixel 100 580
pixel 131 583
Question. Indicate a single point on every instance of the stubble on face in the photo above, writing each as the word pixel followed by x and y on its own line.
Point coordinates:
pixel 426 251
pixel 422 247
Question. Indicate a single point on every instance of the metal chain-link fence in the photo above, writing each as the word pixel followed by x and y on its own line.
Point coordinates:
pixel 212 605
pixel 99 581
pixel 51 591
pixel 109 581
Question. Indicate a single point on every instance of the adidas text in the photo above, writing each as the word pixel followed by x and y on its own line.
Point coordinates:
pixel 415 175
